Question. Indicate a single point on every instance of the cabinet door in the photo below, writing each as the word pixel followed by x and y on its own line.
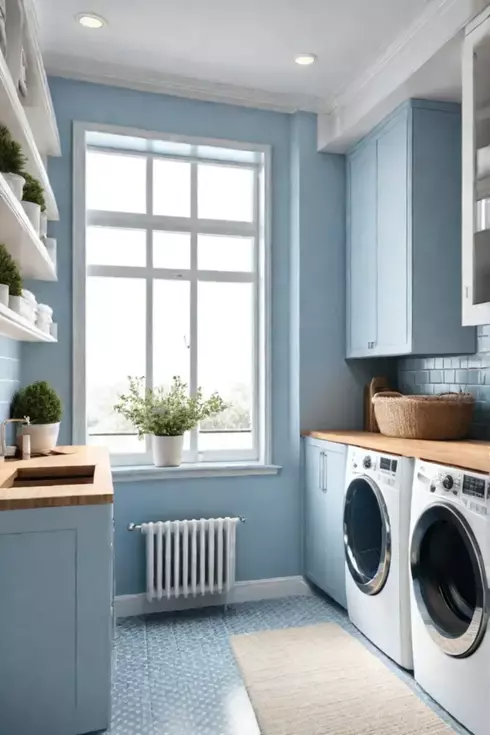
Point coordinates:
pixel 334 536
pixel 394 267
pixel 55 620
pixel 324 544
pixel 315 516
pixel 361 252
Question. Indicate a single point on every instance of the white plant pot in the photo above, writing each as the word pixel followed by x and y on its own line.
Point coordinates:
pixel 16 183
pixel 43 224
pixel 167 450
pixel 33 212
pixel 43 437
pixel 4 294
pixel 50 243
pixel 16 303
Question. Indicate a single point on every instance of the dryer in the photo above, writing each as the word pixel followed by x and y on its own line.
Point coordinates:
pixel 450 569
pixel 376 544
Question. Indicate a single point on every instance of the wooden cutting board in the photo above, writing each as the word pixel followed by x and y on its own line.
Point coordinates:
pixel 375 386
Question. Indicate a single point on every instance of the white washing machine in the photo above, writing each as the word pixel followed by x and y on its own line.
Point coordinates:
pixel 376 540
pixel 450 569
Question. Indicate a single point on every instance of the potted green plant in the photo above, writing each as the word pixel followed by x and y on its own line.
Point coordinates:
pixel 12 162
pixel 40 402
pixel 10 281
pixel 166 414
pixel 33 201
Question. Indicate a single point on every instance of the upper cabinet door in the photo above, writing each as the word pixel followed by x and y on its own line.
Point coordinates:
pixel 361 252
pixel 393 262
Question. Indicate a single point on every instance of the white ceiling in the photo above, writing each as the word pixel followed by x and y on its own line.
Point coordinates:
pixel 249 44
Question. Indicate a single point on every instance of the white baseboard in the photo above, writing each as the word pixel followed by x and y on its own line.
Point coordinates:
pixel 250 591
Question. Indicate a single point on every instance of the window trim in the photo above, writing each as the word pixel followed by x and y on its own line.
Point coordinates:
pixel 263 325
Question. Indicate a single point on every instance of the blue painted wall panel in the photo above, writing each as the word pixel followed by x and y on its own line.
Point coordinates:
pixel 9 373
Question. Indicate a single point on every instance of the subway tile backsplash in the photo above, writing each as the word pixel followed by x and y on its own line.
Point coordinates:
pixel 467 373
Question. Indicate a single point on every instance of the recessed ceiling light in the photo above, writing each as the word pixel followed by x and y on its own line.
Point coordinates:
pixel 305 59
pixel 91 20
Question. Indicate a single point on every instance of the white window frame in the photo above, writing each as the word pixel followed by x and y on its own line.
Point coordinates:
pixel 261 276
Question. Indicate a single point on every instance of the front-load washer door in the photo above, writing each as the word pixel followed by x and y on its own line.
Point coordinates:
pixel 449 580
pixel 367 536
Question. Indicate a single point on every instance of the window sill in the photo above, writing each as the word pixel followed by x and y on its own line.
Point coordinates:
pixel 192 471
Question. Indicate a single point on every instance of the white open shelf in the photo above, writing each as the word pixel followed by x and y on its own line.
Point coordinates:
pixel 39 105
pixel 20 238
pixel 16 327
pixel 13 115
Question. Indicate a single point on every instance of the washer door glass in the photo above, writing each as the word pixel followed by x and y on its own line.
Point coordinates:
pixel 367 537
pixel 449 580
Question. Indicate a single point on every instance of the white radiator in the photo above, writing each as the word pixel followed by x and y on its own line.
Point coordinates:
pixel 190 558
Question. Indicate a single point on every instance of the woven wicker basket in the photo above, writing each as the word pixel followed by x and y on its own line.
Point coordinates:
pixel 447 416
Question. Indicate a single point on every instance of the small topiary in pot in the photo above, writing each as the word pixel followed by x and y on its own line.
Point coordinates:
pixel 42 405
pixel 33 201
pixel 10 280
pixel 12 161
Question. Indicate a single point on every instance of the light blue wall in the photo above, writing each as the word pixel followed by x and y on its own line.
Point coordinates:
pixel 330 390
pixel 304 287
pixel 9 373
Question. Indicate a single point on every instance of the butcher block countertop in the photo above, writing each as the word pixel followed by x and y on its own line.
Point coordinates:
pixel 470 455
pixel 72 476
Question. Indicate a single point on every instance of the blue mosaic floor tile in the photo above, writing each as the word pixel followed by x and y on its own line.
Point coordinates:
pixel 175 674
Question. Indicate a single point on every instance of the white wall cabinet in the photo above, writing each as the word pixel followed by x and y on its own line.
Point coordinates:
pixel 476 173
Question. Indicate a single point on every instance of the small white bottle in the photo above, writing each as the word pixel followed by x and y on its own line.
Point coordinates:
pixel 26 446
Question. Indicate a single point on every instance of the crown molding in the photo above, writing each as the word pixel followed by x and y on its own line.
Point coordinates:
pixel 382 86
pixel 117 75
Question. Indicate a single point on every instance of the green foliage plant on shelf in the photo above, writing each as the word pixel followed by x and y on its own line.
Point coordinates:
pixel 9 272
pixel 33 191
pixel 39 401
pixel 166 411
pixel 12 160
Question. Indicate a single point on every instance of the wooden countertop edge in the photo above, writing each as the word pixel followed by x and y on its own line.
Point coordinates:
pixel 469 454
pixel 63 501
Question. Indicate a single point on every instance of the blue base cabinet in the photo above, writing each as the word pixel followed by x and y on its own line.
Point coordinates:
pixel 56 598
pixel 404 236
pixel 324 509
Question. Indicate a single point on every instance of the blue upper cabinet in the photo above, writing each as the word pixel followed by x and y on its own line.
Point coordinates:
pixel 404 236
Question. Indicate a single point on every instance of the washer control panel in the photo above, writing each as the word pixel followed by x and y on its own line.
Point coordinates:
pixel 469 489
pixel 362 461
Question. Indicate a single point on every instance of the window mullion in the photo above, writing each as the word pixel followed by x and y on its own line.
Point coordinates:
pixel 257 352
pixel 149 284
pixel 194 309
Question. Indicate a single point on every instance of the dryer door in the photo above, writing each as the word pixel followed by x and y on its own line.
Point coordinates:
pixel 449 580
pixel 367 536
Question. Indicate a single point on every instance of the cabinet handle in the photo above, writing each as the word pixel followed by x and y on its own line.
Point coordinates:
pixel 320 466
pixel 324 486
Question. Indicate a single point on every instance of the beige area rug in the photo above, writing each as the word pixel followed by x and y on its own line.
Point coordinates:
pixel 320 680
